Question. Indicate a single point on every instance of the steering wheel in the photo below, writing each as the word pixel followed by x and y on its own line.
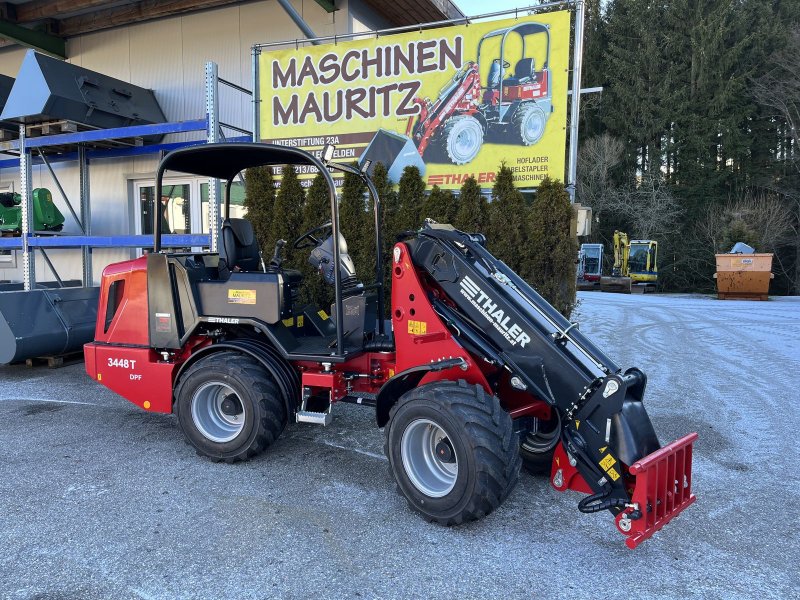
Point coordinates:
pixel 309 239
pixel 506 64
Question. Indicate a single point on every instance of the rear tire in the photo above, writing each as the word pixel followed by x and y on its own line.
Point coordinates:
pixel 537 447
pixel 528 124
pixel 462 139
pixel 228 407
pixel 452 450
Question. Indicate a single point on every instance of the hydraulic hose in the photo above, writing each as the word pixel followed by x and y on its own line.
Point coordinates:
pixel 598 501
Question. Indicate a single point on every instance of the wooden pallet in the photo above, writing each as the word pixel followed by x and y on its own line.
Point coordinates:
pixel 53 127
pixel 55 362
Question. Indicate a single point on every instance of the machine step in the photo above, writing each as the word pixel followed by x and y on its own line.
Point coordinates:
pixel 318 418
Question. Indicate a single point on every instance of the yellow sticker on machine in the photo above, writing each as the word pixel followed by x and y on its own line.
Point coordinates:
pixel 613 474
pixel 417 327
pixel 241 296
pixel 607 462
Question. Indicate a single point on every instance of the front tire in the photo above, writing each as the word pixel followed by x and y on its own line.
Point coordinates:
pixel 228 407
pixel 452 451
pixel 462 139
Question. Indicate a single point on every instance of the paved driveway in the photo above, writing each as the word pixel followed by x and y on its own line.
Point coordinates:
pixel 99 499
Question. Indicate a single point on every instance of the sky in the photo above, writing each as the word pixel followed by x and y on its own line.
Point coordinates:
pixel 479 7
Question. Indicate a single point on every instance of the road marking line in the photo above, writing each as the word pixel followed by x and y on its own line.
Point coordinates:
pixel 48 400
pixel 364 452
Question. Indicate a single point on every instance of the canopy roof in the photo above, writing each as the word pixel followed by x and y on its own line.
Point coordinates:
pixel 522 29
pixel 225 161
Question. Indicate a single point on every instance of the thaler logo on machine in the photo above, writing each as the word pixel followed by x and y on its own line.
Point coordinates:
pixel 227 320
pixel 495 315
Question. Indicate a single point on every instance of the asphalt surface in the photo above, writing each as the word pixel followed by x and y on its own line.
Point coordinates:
pixel 99 499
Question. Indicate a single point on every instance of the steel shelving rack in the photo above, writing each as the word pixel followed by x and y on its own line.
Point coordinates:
pixel 95 144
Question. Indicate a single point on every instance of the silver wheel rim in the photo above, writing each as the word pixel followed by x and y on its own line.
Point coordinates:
pixel 207 413
pixel 429 474
pixel 466 143
pixel 533 126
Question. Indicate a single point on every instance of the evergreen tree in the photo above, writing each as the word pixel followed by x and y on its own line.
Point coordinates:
pixel 552 246
pixel 507 231
pixel 389 229
pixel 389 205
pixel 316 211
pixel 411 198
pixel 287 215
pixel 678 82
pixel 440 205
pixel 355 225
pixel 472 208
pixel 639 97
pixel 260 204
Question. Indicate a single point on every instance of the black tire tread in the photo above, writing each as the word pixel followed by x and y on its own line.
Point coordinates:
pixel 271 418
pixel 492 436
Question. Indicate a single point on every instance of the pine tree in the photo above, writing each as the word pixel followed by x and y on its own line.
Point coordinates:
pixel 440 205
pixel 316 211
pixel 507 231
pixel 355 226
pixel 552 247
pixel 287 215
pixel 260 204
pixel 411 197
pixel 472 208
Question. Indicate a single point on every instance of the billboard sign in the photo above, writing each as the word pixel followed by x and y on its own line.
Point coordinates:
pixel 453 101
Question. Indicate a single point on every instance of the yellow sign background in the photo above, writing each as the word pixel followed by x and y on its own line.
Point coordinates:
pixel 306 101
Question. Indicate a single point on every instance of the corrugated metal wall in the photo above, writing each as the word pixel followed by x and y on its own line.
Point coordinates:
pixel 168 56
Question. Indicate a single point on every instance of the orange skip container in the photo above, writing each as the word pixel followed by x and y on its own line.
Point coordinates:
pixel 743 276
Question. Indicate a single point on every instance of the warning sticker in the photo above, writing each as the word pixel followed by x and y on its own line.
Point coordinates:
pixel 241 296
pixel 417 327
pixel 291 321
pixel 613 474
pixel 163 322
pixel 607 462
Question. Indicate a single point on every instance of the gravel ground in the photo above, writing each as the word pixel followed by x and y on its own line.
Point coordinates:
pixel 99 499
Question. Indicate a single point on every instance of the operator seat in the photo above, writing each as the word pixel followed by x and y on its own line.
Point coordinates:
pixel 493 79
pixel 239 247
pixel 524 72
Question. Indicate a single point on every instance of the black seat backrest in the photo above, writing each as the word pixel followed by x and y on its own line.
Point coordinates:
pixel 524 68
pixel 239 246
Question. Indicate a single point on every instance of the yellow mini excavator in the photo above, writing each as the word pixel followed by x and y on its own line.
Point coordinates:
pixel 635 266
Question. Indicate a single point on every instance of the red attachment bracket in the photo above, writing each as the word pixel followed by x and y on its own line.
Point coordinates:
pixel 663 490
pixel 564 475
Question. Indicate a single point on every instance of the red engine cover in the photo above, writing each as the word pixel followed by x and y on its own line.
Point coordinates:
pixel 122 309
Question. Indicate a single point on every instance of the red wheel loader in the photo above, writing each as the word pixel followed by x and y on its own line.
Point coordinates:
pixel 514 106
pixel 473 374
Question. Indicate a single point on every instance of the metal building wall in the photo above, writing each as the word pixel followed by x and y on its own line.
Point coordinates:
pixel 168 56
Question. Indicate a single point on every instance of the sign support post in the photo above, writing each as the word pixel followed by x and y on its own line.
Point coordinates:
pixel 574 117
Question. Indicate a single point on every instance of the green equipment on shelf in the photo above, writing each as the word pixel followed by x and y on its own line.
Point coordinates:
pixel 46 216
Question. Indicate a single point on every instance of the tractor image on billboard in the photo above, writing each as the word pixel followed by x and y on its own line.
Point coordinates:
pixel 510 107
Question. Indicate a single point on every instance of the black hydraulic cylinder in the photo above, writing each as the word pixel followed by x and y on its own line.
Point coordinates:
pixel 46 322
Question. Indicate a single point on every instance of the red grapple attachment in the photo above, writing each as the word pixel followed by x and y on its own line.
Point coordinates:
pixel 663 489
